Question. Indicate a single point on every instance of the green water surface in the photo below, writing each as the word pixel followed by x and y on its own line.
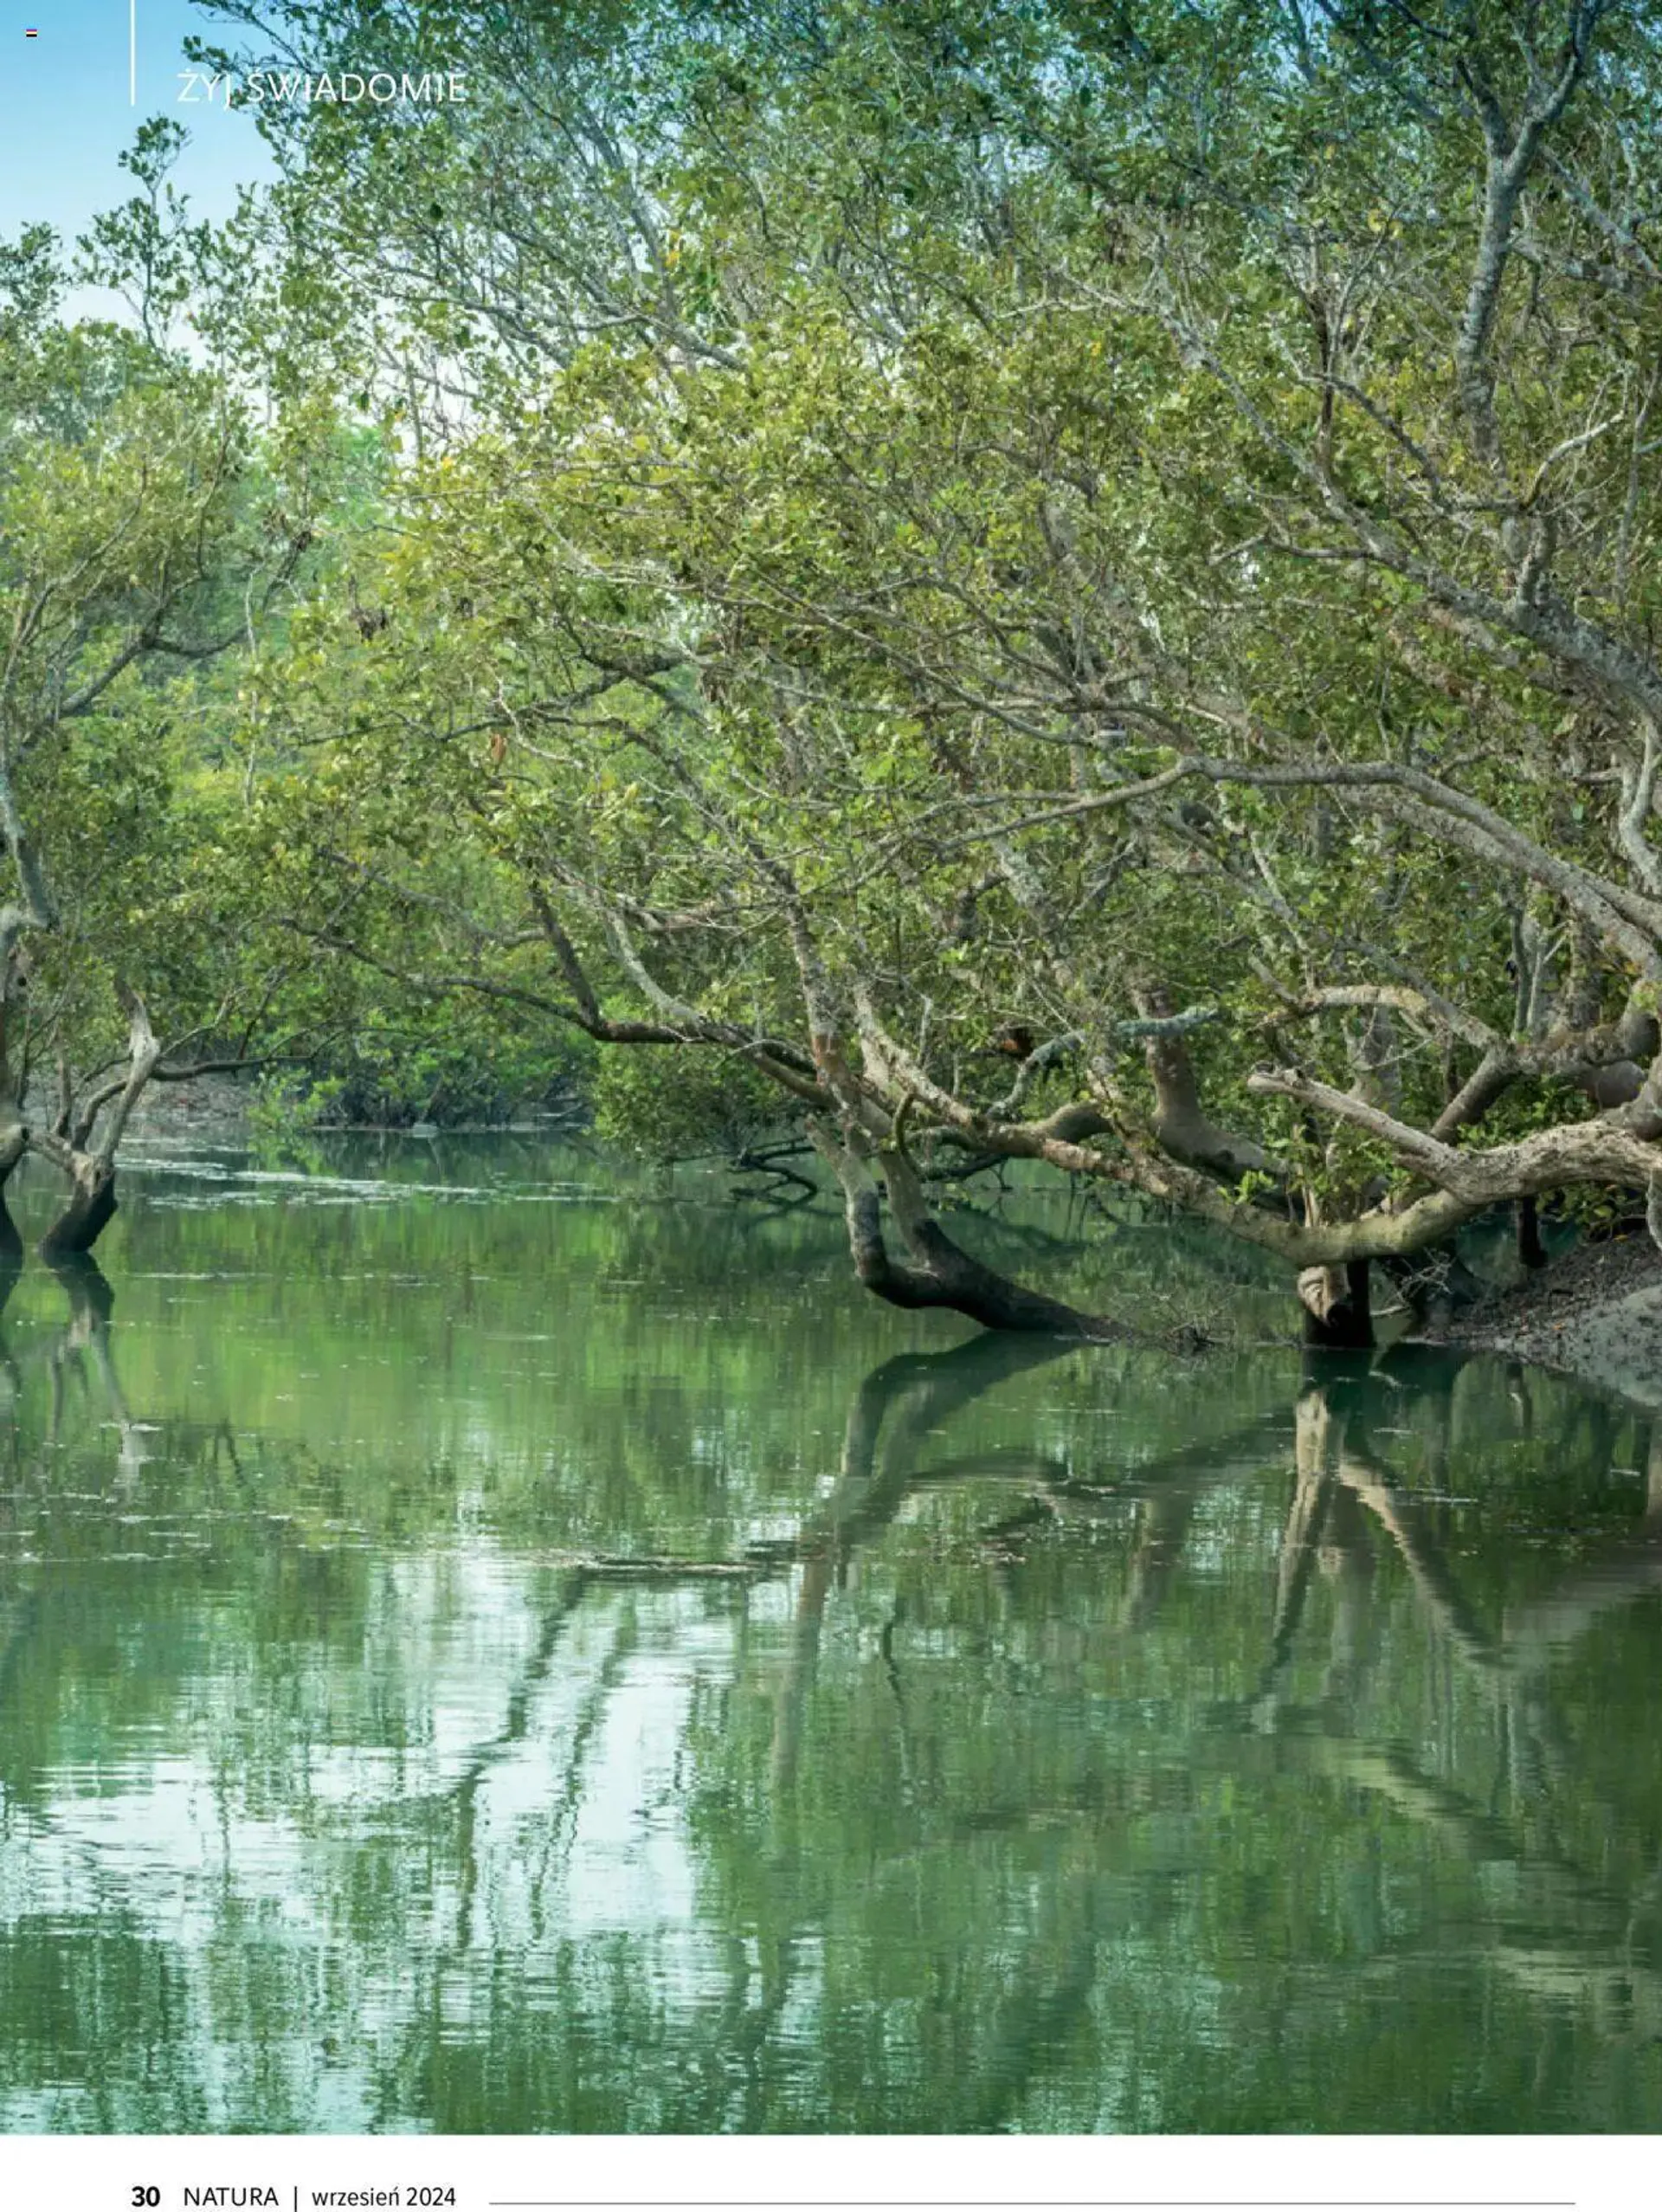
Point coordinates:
pixel 487 1645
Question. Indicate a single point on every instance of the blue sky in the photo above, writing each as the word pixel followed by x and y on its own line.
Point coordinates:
pixel 65 113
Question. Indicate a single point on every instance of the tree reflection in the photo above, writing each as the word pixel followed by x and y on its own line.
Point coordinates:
pixel 1094 1712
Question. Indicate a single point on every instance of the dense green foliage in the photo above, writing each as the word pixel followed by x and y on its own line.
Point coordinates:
pixel 993 581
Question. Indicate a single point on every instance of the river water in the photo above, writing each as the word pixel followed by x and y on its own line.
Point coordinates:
pixel 485 1644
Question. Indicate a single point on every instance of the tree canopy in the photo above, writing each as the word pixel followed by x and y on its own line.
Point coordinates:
pixel 1007 581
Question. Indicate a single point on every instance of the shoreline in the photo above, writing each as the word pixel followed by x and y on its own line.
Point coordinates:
pixel 1595 1314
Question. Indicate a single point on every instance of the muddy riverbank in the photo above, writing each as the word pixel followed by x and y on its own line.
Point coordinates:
pixel 1594 1313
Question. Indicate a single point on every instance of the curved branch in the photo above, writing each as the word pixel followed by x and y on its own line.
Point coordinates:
pixel 939 1272
pixel 1629 921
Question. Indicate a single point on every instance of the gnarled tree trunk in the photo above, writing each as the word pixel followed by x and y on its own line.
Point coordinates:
pixel 13 1132
pixel 90 1165
pixel 87 1210
pixel 13 1143
pixel 938 1272
pixel 1339 1308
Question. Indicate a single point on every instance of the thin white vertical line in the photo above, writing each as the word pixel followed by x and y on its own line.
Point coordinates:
pixel 133 53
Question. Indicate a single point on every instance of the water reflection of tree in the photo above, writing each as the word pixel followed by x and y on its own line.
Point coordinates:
pixel 130 1540
pixel 1000 1747
pixel 1565 1929
pixel 1560 1926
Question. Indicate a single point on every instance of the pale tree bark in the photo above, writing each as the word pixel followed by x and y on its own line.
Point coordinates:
pixel 937 1272
pixel 1181 1124
pixel 32 909
pixel 1337 1304
pixel 13 1132
pixel 87 1151
pixel 1336 1301
pixel 14 1144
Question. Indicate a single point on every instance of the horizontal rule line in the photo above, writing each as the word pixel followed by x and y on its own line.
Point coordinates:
pixel 1035 2203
